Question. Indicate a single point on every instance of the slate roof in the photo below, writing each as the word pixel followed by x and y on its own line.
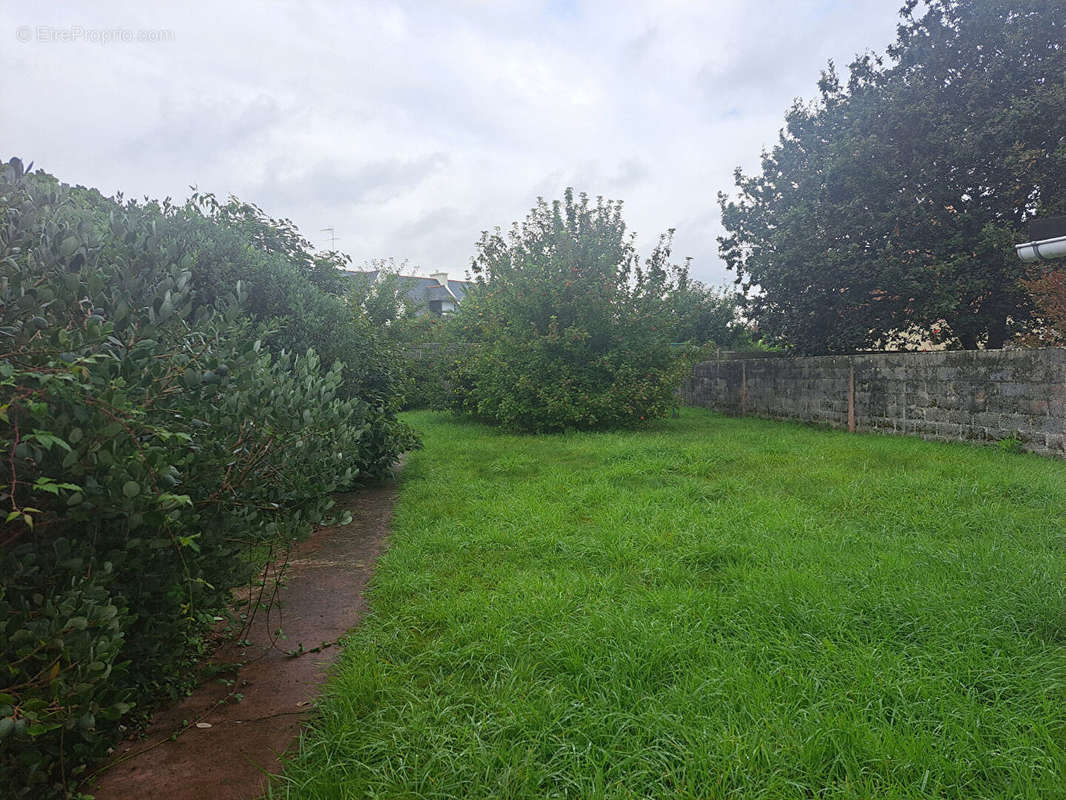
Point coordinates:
pixel 459 288
pixel 423 290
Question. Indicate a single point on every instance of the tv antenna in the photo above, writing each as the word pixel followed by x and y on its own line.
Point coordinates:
pixel 332 237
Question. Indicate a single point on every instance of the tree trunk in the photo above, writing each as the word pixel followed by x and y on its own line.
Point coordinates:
pixel 997 333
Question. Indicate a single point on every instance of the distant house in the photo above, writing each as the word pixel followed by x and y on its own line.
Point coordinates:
pixel 437 294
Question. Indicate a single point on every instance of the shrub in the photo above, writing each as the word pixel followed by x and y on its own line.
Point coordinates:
pixel 430 366
pixel 156 427
pixel 432 346
pixel 567 328
pixel 304 298
pixel 425 343
pixel 708 315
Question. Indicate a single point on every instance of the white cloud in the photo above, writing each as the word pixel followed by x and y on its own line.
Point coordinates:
pixel 411 127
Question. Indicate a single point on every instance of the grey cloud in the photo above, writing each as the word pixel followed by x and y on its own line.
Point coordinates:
pixel 206 128
pixel 630 172
pixel 636 49
pixel 614 181
pixel 782 59
pixel 443 238
pixel 331 184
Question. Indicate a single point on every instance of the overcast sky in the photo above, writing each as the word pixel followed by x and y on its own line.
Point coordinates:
pixel 410 127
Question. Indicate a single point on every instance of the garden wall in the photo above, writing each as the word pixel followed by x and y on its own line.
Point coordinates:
pixel 975 395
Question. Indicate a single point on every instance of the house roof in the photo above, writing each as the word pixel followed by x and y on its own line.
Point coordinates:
pixel 423 290
pixel 438 292
pixel 458 288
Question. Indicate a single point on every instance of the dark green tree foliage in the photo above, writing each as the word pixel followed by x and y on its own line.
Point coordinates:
pixel 887 212
pixel 567 328
pixel 159 420
pixel 707 315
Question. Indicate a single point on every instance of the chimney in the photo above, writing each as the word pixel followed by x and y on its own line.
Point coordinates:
pixel 441 278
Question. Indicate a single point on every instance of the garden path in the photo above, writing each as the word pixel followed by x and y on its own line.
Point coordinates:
pixel 229 748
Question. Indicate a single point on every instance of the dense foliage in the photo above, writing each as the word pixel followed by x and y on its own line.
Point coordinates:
pixel 176 389
pixel 425 343
pixel 433 348
pixel 567 329
pixel 1048 290
pixel 887 212
pixel 708 315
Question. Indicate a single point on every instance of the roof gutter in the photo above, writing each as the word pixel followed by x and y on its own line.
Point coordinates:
pixel 1042 250
pixel 1049 240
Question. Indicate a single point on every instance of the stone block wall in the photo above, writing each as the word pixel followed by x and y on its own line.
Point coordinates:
pixel 975 395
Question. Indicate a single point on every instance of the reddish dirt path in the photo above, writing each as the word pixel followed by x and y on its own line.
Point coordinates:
pixel 322 600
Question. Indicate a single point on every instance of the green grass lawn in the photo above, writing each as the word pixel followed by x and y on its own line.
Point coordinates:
pixel 714 608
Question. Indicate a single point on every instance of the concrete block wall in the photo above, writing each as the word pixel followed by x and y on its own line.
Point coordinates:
pixel 975 395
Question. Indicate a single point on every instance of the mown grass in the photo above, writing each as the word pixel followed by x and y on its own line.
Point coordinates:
pixel 715 608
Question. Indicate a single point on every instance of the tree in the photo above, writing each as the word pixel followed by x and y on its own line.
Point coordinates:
pixel 707 315
pixel 567 328
pixel 889 206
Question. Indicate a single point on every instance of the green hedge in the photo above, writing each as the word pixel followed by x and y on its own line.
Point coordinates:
pixel 161 419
